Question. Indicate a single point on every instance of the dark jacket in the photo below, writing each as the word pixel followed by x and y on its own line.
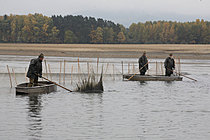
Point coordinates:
pixel 143 61
pixel 169 63
pixel 35 68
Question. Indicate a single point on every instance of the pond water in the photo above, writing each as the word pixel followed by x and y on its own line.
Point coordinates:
pixel 126 110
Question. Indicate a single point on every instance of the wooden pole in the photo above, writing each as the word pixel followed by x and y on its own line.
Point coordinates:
pixel 9 76
pixel 45 62
pixel 113 72
pixel 88 69
pixel 133 68
pixel 122 68
pixel 176 64
pixel 26 75
pixel 178 69
pixel 78 66
pixel 184 75
pixel 128 68
pixel 72 68
pixel 97 64
pixel 107 65
pixel 50 71
pixel 156 67
pixel 14 76
pixel 179 65
pixel 64 71
pixel 58 84
pixel 60 72
pixel 162 68
pixel 78 70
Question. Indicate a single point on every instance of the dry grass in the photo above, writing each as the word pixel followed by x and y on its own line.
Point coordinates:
pixel 104 50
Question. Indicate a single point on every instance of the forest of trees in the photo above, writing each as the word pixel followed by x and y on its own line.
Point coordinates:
pixel 37 28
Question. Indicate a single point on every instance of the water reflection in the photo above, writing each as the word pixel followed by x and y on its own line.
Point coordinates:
pixel 93 97
pixel 142 83
pixel 93 102
pixel 168 83
pixel 34 116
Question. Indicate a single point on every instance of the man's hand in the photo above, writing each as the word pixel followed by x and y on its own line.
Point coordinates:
pixel 40 75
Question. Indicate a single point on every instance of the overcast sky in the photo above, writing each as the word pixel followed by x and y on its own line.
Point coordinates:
pixel 120 11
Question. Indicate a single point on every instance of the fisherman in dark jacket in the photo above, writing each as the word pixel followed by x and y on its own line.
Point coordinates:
pixel 35 70
pixel 143 64
pixel 169 65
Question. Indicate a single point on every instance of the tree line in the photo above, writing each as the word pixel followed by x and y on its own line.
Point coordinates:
pixel 37 28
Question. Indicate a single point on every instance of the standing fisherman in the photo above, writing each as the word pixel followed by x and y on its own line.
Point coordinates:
pixel 143 64
pixel 169 65
pixel 35 70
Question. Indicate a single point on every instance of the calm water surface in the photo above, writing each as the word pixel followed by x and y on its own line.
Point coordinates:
pixel 126 110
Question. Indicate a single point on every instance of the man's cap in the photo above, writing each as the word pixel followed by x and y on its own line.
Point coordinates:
pixel 170 54
pixel 41 55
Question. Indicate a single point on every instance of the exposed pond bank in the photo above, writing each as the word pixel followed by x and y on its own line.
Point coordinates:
pixel 108 50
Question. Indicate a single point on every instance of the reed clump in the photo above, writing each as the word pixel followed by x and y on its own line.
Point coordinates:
pixel 90 84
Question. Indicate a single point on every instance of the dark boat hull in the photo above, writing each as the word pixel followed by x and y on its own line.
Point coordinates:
pixel 43 87
pixel 152 78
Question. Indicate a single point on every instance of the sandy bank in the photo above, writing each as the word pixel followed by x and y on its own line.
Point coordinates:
pixel 107 51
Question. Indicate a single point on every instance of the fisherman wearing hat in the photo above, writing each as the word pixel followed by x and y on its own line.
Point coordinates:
pixel 143 64
pixel 169 65
pixel 35 70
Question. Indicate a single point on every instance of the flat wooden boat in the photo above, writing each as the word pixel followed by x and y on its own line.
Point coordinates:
pixel 43 87
pixel 138 77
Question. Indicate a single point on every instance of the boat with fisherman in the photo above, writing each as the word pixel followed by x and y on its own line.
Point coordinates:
pixel 138 77
pixel 41 88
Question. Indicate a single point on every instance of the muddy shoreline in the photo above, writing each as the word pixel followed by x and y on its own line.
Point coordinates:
pixel 107 51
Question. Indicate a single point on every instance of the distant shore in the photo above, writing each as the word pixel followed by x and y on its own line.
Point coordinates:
pixel 108 50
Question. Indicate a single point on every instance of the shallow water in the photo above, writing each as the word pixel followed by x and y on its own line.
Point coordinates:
pixel 126 110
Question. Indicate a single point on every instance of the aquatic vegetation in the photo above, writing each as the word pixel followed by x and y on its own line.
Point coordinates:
pixel 90 84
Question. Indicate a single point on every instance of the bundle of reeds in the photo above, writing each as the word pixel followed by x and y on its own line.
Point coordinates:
pixel 90 85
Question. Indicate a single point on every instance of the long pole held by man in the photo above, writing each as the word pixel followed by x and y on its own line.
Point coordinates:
pixel 35 72
pixel 170 67
pixel 143 64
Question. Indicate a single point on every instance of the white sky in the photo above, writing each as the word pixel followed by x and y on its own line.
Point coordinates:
pixel 121 11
